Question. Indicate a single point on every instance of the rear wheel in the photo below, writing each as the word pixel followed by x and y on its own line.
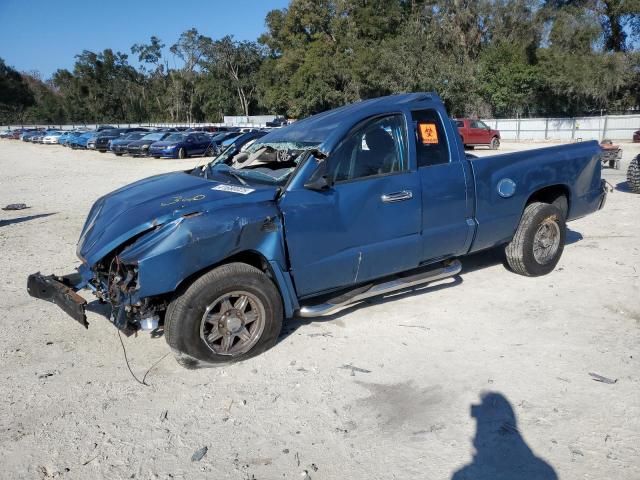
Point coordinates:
pixel 495 143
pixel 209 151
pixel 633 175
pixel 538 242
pixel 182 153
pixel 231 313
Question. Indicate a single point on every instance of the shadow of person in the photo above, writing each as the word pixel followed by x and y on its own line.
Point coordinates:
pixel 501 452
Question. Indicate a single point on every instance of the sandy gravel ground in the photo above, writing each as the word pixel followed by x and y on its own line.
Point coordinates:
pixel 383 390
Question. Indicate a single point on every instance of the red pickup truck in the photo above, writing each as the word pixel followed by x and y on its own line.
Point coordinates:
pixel 476 132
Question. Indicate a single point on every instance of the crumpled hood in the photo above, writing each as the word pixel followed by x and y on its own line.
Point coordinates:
pixel 148 203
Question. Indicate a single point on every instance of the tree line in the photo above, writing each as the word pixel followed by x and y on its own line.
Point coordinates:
pixel 502 58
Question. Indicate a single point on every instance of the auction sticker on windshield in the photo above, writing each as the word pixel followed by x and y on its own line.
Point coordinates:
pixel 233 189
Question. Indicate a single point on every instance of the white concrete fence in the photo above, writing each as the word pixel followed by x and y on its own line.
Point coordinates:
pixel 614 127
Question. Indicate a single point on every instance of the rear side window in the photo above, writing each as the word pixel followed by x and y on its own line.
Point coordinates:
pixel 431 143
pixel 459 124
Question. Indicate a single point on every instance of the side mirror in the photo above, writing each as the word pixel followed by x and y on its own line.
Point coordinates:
pixel 318 180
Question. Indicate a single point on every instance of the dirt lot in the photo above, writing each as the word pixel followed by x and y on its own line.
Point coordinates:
pixel 382 390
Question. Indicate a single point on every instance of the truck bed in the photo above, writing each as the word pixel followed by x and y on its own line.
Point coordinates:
pixel 574 168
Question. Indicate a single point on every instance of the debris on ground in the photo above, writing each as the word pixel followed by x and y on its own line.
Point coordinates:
pixel 600 378
pixel 16 206
pixel 199 454
pixel 355 369
pixel 163 415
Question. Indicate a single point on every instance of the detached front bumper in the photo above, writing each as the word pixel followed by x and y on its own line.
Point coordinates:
pixel 60 290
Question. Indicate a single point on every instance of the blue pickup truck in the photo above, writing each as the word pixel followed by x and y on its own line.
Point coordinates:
pixel 354 202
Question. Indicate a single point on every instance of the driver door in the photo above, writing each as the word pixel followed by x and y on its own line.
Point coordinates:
pixel 366 224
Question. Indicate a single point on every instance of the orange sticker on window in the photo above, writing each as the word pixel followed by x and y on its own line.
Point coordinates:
pixel 428 133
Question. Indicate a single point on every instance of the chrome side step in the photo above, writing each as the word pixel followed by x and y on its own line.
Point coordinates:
pixel 398 282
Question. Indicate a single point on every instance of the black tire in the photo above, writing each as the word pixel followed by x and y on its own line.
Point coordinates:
pixel 118 154
pixel 633 175
pixel 185 314
pixel 520 251
pixel 182 153
pixel 495 143
pixel 209 151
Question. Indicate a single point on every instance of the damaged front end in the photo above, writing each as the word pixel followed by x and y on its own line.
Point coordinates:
pixel 112 282
pixel 142 241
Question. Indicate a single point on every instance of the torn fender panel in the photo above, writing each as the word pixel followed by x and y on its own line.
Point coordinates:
pixel 177 250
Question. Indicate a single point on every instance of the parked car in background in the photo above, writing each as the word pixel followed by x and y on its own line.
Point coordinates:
pixel 16 134
pixel 141 147
pixel 82 140
pixel 51 138
pixel 38 137
pixel 182 145
pixel 67 137
pixel 476 132
pixel 636 136
pixel 217 141
pixel 119 145
pixel 27 134
pixel 277 122
pixel 103 137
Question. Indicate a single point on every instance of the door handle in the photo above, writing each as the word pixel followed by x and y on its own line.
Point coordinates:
pixel 397 196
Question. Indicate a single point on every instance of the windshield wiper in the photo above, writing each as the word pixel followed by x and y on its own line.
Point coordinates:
pixel 236 176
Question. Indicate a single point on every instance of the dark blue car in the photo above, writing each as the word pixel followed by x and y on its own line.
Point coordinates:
pixel 182 145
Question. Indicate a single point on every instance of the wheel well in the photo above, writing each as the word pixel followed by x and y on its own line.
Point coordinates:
pixel 249 257
pixel 557 195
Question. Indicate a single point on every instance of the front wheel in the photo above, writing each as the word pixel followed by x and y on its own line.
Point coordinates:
pixel 538 242
pixel 209 151
pixel 182 154
pixel 231 313
pixel 495 143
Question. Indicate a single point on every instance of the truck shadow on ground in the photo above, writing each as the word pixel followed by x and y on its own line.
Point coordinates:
pixel 12 221
pixel 470 263
pixel 500 451
pixel 294 323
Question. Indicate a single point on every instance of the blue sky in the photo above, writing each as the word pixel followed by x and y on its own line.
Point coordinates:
pixel 45 35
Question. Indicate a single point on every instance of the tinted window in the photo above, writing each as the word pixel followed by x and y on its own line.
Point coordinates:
pixel 459 123
pixel 175 137
pixel 431 143
pixel 153 136
pixel 478 124
pixel 379 147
